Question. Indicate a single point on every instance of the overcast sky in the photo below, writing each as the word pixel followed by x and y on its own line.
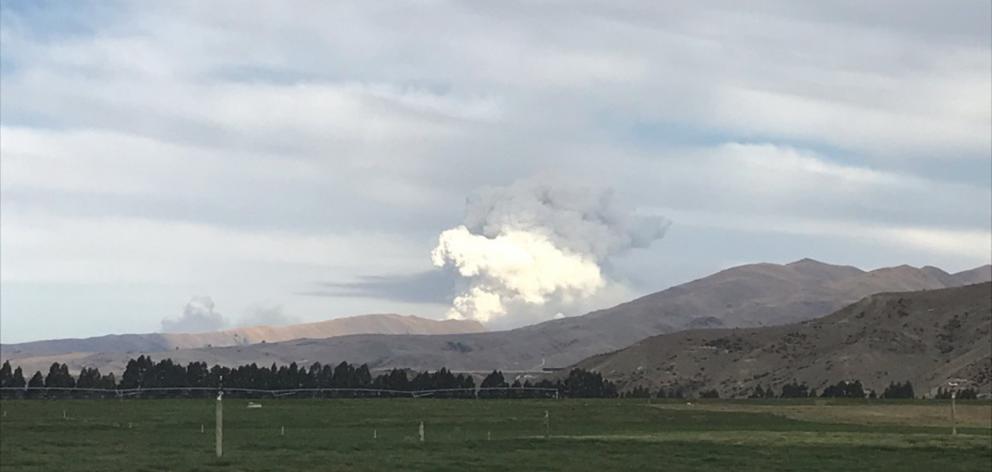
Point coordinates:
pixel 299 163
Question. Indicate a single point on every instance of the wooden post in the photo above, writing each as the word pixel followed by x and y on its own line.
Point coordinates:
pixel 219 429
pixel 954 424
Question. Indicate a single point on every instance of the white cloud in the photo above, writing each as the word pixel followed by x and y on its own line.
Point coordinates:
pixel 45 248
pixel 767 180
pixel 516 265
pixel 972 244
pixel 212 142
pixel 894 131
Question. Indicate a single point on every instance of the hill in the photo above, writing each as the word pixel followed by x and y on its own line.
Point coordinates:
pixel 157 342
pixel 745 296
pixel 925 337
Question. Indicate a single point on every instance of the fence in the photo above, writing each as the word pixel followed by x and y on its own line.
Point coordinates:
pixel 236 392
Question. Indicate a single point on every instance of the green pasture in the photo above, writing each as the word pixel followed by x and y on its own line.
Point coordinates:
pixel 381 434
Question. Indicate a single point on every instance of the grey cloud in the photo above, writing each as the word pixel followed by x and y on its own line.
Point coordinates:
pixel 583 219
pixel 433 286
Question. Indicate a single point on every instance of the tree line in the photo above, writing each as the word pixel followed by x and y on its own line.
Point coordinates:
pixel 842 389
pixel 348 380
pixel 166 379
pixel 794 389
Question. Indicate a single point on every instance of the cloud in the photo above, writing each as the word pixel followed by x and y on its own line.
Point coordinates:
pixel 770 181
pixel 531 243
pixel 198 316
pixel 432 286
pixel 968 244
pixel 286 148
pixel 516 264
pixel 40 247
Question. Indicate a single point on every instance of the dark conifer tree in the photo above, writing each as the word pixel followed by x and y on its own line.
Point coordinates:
pixel 17 379
pixel 5 374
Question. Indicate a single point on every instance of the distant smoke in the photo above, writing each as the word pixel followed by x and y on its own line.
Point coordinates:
pixel 266 315
pixel 532 243
pixel 198 316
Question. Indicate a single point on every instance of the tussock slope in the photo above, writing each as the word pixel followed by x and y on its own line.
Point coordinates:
pixel 925 337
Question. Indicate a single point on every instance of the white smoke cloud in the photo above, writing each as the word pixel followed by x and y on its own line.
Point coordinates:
pixel 532 243
pixel 198 316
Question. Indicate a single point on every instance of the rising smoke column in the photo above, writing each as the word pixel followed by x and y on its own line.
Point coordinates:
pixel 532 243
pixel 198 316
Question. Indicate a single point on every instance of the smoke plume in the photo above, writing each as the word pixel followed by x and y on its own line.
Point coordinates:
pixel 198 316
pixel 532 243
pixel 267 315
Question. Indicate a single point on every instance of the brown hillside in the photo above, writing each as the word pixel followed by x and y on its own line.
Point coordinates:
pixel 156 342
pixel 925 337
pixel 746 296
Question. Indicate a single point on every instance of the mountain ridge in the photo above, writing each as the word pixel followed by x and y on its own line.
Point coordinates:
pixel 745 296
pixel 247 335
pixel 925 337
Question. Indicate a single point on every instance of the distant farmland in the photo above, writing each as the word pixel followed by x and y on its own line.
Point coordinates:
pixel 382 434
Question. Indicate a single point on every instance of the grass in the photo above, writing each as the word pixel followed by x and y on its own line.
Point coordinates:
pixel 152 435
pixel 914 413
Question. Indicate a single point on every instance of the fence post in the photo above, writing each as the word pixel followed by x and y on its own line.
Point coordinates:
pixel 954 423
pixel 421 431
pixel 220 424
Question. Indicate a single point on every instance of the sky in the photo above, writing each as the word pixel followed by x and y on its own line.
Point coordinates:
pixel 271 162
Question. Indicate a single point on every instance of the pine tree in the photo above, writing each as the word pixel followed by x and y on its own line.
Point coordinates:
pixel 58 376
pixel 37 381
pixel 17 379
pixel 5 374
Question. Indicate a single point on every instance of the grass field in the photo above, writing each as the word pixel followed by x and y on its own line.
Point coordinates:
pixel 483 435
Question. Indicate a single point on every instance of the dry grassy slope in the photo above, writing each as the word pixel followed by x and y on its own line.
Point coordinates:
pixel 745 296
pixel 156 342
pixel 924 336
